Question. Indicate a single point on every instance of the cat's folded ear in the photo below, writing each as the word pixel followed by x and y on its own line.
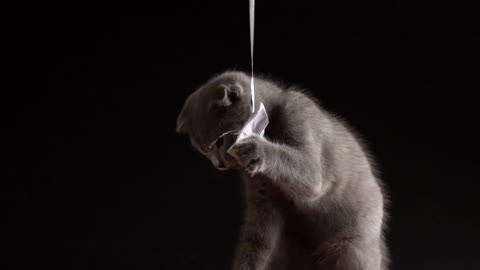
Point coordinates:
pixel 228 94
pixel 182 119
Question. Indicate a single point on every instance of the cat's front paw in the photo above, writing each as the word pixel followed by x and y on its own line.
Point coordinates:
pixel 249 154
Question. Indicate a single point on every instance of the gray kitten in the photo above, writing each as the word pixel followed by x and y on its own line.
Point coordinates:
pixel 313 198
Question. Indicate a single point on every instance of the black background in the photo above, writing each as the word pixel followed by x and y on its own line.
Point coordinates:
pixel 97 177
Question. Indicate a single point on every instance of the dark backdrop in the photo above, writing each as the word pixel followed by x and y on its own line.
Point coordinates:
pixel 97 178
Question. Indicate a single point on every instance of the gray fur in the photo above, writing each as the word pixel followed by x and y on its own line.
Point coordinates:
pixel 313 198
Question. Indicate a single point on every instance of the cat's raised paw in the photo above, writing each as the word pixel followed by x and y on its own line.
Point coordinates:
pixel 249 154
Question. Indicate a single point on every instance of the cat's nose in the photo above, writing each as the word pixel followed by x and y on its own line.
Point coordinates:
pixel 217 163
pixel 221 166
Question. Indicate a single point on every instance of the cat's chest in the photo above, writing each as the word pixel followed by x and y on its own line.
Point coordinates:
pixel 306 227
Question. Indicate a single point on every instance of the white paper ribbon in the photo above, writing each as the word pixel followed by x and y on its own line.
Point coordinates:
pixel 258 120
pixel 256 124
pixel 252 28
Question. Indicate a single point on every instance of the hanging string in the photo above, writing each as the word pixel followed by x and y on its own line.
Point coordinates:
pixel 252 28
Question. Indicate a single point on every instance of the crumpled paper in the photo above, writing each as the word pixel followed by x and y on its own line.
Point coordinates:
pixel 256 124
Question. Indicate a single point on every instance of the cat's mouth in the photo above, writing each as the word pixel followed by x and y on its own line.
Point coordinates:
pixel 228 163
pixel 224 163
pixel 222 167
pixel 222 160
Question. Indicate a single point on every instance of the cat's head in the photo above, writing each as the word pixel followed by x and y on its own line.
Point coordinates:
pixel 221 105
